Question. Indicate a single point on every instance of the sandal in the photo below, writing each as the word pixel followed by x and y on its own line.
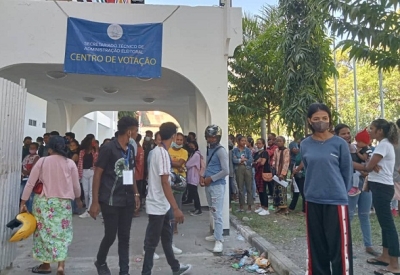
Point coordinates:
pixel 37 270
pixel 375 261
pixel 385 272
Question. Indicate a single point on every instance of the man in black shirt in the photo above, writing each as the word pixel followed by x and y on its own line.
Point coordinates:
pixel 115 193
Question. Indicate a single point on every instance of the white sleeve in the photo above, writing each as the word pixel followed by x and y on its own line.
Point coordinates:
pixel 382 149
pixel 163 163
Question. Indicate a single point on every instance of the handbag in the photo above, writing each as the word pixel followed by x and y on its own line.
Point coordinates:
pixel 38 189
pixel 267 176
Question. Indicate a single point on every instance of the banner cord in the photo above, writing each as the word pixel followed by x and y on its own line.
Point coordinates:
pixel 58 5
pixel 66 14
pixel 177 8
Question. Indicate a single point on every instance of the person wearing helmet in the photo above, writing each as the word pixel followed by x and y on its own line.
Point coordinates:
pixel 217 169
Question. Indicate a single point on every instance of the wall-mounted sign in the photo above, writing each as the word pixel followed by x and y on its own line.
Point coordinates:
pixel 113 49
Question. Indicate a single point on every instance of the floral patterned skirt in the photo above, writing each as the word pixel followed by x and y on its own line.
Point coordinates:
pixel 54 233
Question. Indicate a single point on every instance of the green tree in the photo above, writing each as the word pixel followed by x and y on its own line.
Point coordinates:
pixel 368 92
pixel 127 113
pixel 371 29
pixel 253 72
pixel 308 63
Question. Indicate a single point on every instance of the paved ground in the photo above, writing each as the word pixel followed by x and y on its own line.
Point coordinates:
pixel 88 234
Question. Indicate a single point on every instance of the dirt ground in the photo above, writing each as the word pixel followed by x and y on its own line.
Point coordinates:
pixel 287 234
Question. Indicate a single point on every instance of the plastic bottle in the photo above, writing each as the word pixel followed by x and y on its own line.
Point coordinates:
pixel 242 261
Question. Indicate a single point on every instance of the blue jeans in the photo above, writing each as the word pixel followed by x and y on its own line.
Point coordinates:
pixel 29 202
pixel 215 198
pixel 364 201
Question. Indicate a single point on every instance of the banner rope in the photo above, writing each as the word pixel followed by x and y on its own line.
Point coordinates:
pixel 177 8
pixel 58 5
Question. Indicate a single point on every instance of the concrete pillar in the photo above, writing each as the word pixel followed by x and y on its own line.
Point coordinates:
pixel 58 117
pixel 264 128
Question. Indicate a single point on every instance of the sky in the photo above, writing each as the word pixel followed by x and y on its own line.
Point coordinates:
pixel 251 6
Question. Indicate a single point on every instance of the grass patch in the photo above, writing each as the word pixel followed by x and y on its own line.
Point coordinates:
pixel 281 228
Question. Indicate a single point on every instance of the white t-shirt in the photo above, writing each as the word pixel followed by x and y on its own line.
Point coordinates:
pixel 385 175
pixel 160 164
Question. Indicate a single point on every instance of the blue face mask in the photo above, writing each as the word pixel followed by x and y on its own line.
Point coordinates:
pixel 176 146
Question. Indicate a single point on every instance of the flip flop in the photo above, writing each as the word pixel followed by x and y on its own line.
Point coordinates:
pixel 374 261
pixel 385 272
pixel 37 270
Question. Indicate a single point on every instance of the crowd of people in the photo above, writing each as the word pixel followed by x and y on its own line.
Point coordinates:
pixel 334 175
pixel 118 179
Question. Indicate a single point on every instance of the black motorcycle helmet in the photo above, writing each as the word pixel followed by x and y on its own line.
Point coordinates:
pixel 213 131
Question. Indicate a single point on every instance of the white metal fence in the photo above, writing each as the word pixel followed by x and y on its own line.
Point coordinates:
pixel 12 115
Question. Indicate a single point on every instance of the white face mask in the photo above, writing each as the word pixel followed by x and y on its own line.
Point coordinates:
pixel 147 138
pixel 176 146
pixel 132 141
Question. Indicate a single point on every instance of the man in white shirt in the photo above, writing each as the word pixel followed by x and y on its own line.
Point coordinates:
pixel 159 201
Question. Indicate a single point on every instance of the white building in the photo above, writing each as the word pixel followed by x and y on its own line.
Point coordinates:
pixel 101 124
pixel 193 86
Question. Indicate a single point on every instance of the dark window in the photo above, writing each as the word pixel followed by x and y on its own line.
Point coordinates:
pixel 32 122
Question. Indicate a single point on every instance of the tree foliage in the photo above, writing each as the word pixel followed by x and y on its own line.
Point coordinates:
pixel 371 29
pixel 127 113
pixel 254 71
pixel 368 92
pixel 308 63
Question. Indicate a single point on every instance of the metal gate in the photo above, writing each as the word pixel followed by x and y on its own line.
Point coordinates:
pixel 12 116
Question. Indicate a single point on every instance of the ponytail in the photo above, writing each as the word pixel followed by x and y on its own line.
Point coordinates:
pixel 389 130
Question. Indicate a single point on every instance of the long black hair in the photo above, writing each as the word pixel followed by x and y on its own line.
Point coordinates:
pixel 196 147
pixel 389 130
pixel 86 144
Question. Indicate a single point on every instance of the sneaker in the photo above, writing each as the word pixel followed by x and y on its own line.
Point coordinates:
pixel 182 270
pixel 176 250
pixel 354 191
pixel 102 269
pixel 395 213
pixel 219 247
pixel 258 210
pixel 263 212
pixel 192 211
pixel 196 213
pixel 85 215
pixel 155 256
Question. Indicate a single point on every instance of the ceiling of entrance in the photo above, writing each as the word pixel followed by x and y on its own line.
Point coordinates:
pixel 169 90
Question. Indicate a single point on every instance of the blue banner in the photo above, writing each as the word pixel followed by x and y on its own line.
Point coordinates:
pixel 113 49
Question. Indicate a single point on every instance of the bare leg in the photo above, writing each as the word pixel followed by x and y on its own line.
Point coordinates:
pixel 60 269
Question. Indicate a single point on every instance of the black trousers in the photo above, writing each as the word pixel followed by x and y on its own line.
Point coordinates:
pixel 194 194
pixel 264 195
pixel 382 195
pixel 270 188
pixel 329 240
pixel 159 226
pixel 117 220
pixel 300 184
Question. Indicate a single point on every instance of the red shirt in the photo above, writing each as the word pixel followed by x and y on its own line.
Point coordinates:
pixel 139 169
pixel 271 152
